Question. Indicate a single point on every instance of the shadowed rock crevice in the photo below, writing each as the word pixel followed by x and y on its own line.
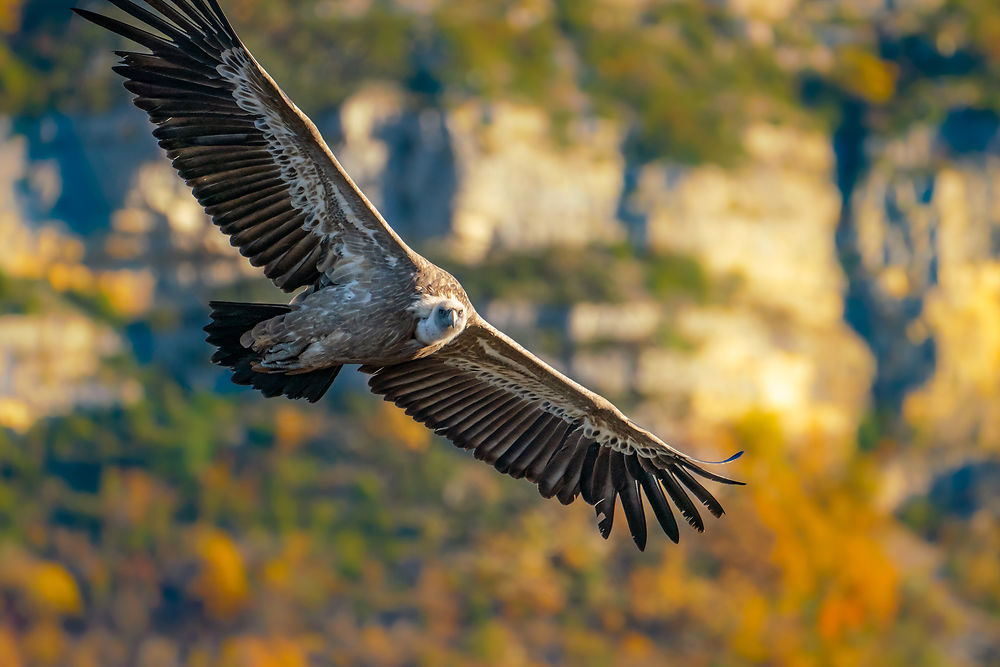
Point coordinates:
pixel 881 319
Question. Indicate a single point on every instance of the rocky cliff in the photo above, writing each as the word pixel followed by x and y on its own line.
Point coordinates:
pixel 805 333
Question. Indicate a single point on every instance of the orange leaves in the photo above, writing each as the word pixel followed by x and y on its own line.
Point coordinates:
pixel 827 549
pixel 10 16
pixel 862 593
pixel 248 651
pixel 10 654
pixel 636 647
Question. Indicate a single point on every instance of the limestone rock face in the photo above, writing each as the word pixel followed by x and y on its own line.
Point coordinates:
pixel 921 304
pixel 771 222
pixel 782 346
pixel 28 249
pixel 50 362
pixel 484 176
pixel 928 238
pixel 519 189
pixel 402 159
pixel 160 226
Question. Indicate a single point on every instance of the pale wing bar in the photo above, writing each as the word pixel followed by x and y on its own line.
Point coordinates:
pixel 524 429
pixel 256 164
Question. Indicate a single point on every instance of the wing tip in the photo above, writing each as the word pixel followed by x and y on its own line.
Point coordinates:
pixel 694 465
pixel 718 463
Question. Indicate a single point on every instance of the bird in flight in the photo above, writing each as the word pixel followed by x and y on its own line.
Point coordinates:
pixel 263 173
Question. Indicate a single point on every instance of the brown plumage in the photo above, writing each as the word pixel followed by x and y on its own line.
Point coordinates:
pixel 261 170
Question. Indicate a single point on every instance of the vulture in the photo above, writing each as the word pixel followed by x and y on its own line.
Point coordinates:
pixel 261 170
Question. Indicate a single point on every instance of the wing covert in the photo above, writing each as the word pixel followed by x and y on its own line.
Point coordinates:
pixel 257 164
pixel 486 393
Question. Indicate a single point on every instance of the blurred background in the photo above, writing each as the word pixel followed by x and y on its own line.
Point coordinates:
pixel 770 225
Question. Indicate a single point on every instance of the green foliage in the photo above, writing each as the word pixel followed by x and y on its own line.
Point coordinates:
pixel 680 72
pixel 21 296
pixel 683 77
pixel 668 275
pixel 560 276
pixel 25 296
pixel 660 72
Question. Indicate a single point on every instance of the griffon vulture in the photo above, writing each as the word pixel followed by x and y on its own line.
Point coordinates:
pixel 264 174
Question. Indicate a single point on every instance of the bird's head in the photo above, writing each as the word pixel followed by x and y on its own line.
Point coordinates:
pixel 440 320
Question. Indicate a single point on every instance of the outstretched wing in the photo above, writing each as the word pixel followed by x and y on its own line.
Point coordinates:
pixel 253 160
pixel 485 392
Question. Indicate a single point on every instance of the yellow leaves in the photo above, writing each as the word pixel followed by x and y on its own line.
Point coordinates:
pixel 15 414
pixel 54 589
pixel 39 593
pixel 33 252
pixel 759 433
pixel 47 585
pixel 749 638
pixel 866 75
pixel 222 581
pixel 391 423
pixel 42 592
pixel 128 292
pixel 64 277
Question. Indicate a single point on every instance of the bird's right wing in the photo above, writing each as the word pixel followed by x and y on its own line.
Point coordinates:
pixel 486 393
pixel 254 161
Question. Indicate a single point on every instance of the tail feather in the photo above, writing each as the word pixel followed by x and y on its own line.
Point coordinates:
pixel 230 320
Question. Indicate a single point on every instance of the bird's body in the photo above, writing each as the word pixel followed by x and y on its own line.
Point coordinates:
pixel 369 322
pixel 262 171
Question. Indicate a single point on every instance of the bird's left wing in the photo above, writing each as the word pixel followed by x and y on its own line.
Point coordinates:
pixel 254 161
pixel 486 393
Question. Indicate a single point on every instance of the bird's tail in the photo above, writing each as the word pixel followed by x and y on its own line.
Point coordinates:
pixel 230 320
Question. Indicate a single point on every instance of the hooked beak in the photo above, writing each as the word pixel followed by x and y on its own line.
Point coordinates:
pixel 453 317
